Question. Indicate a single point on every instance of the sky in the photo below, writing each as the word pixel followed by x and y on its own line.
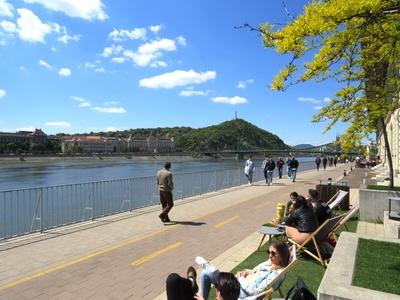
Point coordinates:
pixel 104 65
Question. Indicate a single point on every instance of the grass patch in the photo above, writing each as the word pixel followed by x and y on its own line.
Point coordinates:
pixel 377 266
pixel 307 268
pixel 383 187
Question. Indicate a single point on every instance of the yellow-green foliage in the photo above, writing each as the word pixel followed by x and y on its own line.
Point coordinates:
pixel 357 42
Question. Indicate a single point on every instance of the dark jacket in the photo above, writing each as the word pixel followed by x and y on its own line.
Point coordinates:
pixel 303 219
pixel 294 164
pixel 280 163
pixel 323 212
pixel 270 165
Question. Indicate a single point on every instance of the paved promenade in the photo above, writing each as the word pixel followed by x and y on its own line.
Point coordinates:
pixel 129 256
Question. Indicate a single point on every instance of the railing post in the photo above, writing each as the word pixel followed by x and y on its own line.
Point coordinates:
pixel 41 209
pixel 215 176
pixel 131 197
pixel 92 201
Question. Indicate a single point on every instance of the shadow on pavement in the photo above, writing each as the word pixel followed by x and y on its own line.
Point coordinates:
pixel 184 223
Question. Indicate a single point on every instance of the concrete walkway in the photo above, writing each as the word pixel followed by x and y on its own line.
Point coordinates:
pixel 129 257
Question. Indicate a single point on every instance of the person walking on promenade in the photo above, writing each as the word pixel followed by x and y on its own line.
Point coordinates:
pixel 279 165
pixel 294 164
pixel 324 162
pixel 249 169
pixel 318 161
pixel 269 169
pixel 165 187
pixel 264 168
pixel 288 166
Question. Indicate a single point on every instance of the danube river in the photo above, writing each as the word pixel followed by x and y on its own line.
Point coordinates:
pixel 18 175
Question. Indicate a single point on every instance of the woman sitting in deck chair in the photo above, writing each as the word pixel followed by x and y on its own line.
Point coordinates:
pixel 252 282
pixel 301 222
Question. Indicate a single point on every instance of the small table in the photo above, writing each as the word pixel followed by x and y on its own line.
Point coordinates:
pixel 271 231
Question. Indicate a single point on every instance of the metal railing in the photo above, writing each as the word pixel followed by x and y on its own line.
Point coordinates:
pixel 26 211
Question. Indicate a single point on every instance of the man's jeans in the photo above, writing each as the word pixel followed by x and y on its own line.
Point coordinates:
pixel 208 276
pixel 289 171
pixel 294 172
pixel 269 176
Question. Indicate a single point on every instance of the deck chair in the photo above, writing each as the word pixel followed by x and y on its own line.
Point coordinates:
pixel 336 199
pixel 315 240
pixel 276 283
pixel 347 216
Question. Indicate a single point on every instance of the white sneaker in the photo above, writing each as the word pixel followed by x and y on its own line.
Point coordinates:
pixel 200 261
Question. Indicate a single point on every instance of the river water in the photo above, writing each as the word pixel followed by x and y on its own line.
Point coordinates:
pixel 18 175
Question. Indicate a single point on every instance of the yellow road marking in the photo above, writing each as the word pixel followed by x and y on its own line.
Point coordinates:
pixel 220 224
pixel 263 204
pixel 114 247
pixel 146 258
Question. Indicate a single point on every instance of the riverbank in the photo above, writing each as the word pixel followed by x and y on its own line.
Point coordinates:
pixel 99 157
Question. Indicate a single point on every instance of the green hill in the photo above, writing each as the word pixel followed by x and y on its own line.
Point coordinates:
pixel 229 135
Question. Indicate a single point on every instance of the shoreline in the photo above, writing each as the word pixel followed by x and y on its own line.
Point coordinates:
pixel 97 158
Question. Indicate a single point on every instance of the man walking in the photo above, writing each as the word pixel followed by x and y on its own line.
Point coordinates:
pixel 165 187
pixel 294 164
pixel 249 169
pixel 318 161
pixel 279 165
pixel 269 169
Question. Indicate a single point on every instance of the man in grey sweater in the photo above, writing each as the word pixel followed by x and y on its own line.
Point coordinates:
pixel 165 187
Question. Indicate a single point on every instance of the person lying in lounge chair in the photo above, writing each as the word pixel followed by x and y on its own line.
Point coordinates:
pixel 252 282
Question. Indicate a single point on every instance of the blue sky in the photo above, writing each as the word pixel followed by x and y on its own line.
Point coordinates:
pixel 97 65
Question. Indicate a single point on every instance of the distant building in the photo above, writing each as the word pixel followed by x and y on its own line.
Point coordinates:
pixel 152 143
pixel 94 144
pixel 31 137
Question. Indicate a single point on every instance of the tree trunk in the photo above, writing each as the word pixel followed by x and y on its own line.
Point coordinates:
pixel 388 152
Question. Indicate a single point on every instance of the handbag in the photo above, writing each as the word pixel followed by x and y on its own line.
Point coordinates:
pixel 300 291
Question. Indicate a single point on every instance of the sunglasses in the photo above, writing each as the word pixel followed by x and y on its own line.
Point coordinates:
pixel 272 253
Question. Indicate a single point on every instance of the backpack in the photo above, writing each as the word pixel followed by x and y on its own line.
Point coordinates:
pixel 300 291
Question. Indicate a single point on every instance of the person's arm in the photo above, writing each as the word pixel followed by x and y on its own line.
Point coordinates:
pixel 263 278
pixel 290 219
pixel 170 182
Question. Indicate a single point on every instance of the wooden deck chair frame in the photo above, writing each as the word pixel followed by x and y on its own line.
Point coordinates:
pixel 278 280
pixel 320 234
pixel 336 199
pixel 347 216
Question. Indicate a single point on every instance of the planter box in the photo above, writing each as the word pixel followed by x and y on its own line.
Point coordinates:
pixel 373 204
pixel 337 281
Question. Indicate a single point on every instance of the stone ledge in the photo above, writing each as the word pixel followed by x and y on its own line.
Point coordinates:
pixel 336 283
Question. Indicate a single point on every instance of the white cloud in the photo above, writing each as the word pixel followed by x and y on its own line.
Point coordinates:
pixel 28 128
pixel 2 93
pixel 326 100
pixel 113 50
pixel 62 124
pixel 230 100
pixel 123 34
pixel 6 9
pixel 100 70
pixel 118 60
pixel 88 9
pixel 242 84
pixel 45 64
pixel 66 38
pixel 317 107
pixel 177 78
pixel 155 28
pixel 30 28
pixel 65 72
pixel 89 65
pixel 188 93
pixel 111 103
pixel 8 26
pixel 157 45
pixel 158 63
pixel 82 101
pixel 112 128
pixel 110 110
pixel 181 40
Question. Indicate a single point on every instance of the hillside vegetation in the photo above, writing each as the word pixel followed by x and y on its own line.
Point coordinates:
pixel 230 135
